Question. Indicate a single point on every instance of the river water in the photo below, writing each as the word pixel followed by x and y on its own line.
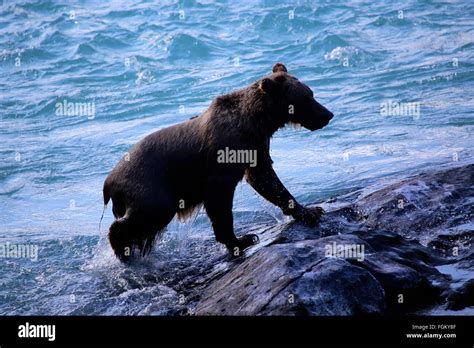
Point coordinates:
pixel 398 77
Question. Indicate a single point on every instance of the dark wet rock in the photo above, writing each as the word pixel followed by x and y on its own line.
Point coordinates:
pixel 462 297
pixel 455 244
pixel 331 287
pixel 406 289
pixel 295 278
pixel 403 248
pixel 424 205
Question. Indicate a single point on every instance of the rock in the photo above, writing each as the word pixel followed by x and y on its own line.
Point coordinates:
pixel 424 205
pixel 331 287
pixel 403 248
pixel 293 279
pixel 405 288
pixel 454 244
pixel 463 297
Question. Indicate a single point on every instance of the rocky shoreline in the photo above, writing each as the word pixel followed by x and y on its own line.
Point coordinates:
pixel 404 248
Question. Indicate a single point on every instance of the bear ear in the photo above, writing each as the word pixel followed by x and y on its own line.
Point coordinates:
pixel 279 67
pixel 267 85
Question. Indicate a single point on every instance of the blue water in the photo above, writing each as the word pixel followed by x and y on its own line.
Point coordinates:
pixel 148 65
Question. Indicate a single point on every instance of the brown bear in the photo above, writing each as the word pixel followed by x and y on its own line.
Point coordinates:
pixel 177 169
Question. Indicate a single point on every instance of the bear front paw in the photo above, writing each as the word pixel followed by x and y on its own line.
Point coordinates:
pixel 309 216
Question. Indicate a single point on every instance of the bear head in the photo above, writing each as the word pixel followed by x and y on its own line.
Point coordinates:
pixel 294 100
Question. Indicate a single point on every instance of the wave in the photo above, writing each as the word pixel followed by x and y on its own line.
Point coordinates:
pixel 101 40
pixel 185 46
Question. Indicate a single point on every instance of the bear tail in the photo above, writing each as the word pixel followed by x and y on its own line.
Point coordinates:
pixel 106 193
